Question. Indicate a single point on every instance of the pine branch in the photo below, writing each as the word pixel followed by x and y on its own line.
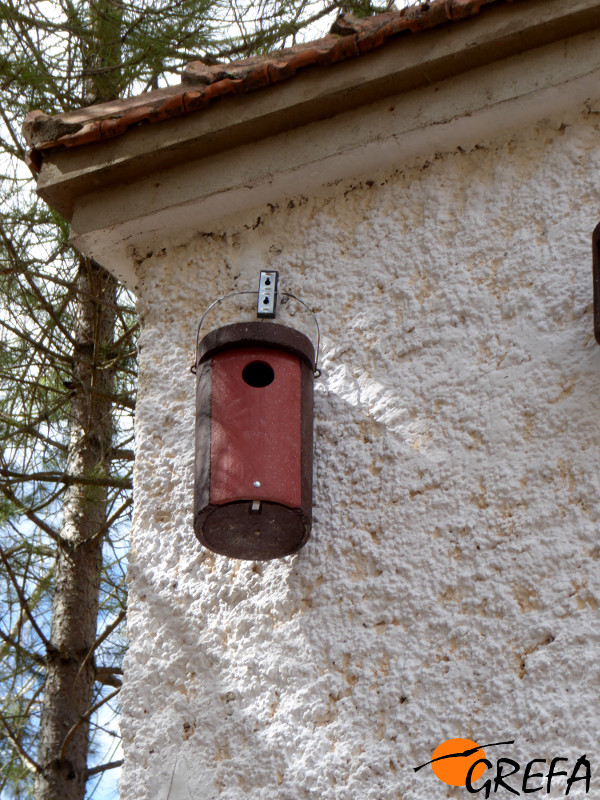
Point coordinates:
pixel 120 454
pixel 126 336
pixel 22 600
pixel 41 550
pixel 37 345
pixel 43 24
pixel 83 719
pixel 17 150
pixel 117 399
pixel 8 243
pixel 19 429
pixel 31 513
pixel 104 635
pixel 68 480
pixel 29 762
pixel 114 517
pixel 107 676
pixel 38 659
pixel 104 767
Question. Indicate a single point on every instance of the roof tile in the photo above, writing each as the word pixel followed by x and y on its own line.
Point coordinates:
pixel 203 83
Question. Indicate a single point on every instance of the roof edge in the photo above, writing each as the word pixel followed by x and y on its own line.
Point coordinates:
pixel 202 84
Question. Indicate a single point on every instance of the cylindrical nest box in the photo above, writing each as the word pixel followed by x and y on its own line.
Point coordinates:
pixel 254 440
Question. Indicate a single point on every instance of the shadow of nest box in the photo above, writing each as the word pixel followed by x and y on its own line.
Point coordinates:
pixel 254 434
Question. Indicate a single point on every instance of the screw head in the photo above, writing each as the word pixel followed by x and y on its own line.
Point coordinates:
pixel 257 484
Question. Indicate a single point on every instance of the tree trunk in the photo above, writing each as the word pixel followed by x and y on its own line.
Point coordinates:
pixel 69 687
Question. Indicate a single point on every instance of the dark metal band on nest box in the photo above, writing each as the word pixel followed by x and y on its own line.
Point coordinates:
pixel 596 268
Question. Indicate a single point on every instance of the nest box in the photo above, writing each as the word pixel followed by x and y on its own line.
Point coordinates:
pixel 254 440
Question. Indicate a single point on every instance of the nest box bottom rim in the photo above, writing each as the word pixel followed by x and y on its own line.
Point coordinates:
pixel 234 530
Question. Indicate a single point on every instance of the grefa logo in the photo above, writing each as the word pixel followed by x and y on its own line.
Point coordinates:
pixel 463 762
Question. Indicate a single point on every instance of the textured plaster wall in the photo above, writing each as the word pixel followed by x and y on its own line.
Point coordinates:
pixel 452 581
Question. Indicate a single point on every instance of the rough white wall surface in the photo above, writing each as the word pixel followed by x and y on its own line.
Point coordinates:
pixel 451 584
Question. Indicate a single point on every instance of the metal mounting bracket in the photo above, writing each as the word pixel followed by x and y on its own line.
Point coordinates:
pixel 266 306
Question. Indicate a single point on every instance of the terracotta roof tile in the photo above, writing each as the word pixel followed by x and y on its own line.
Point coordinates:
pixel 203 83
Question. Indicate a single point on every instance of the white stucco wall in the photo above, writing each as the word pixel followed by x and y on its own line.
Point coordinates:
pixel 451 584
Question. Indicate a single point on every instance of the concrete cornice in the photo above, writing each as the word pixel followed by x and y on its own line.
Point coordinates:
pixel 437 89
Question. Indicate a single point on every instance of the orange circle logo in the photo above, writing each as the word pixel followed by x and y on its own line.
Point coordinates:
pixel 452 759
